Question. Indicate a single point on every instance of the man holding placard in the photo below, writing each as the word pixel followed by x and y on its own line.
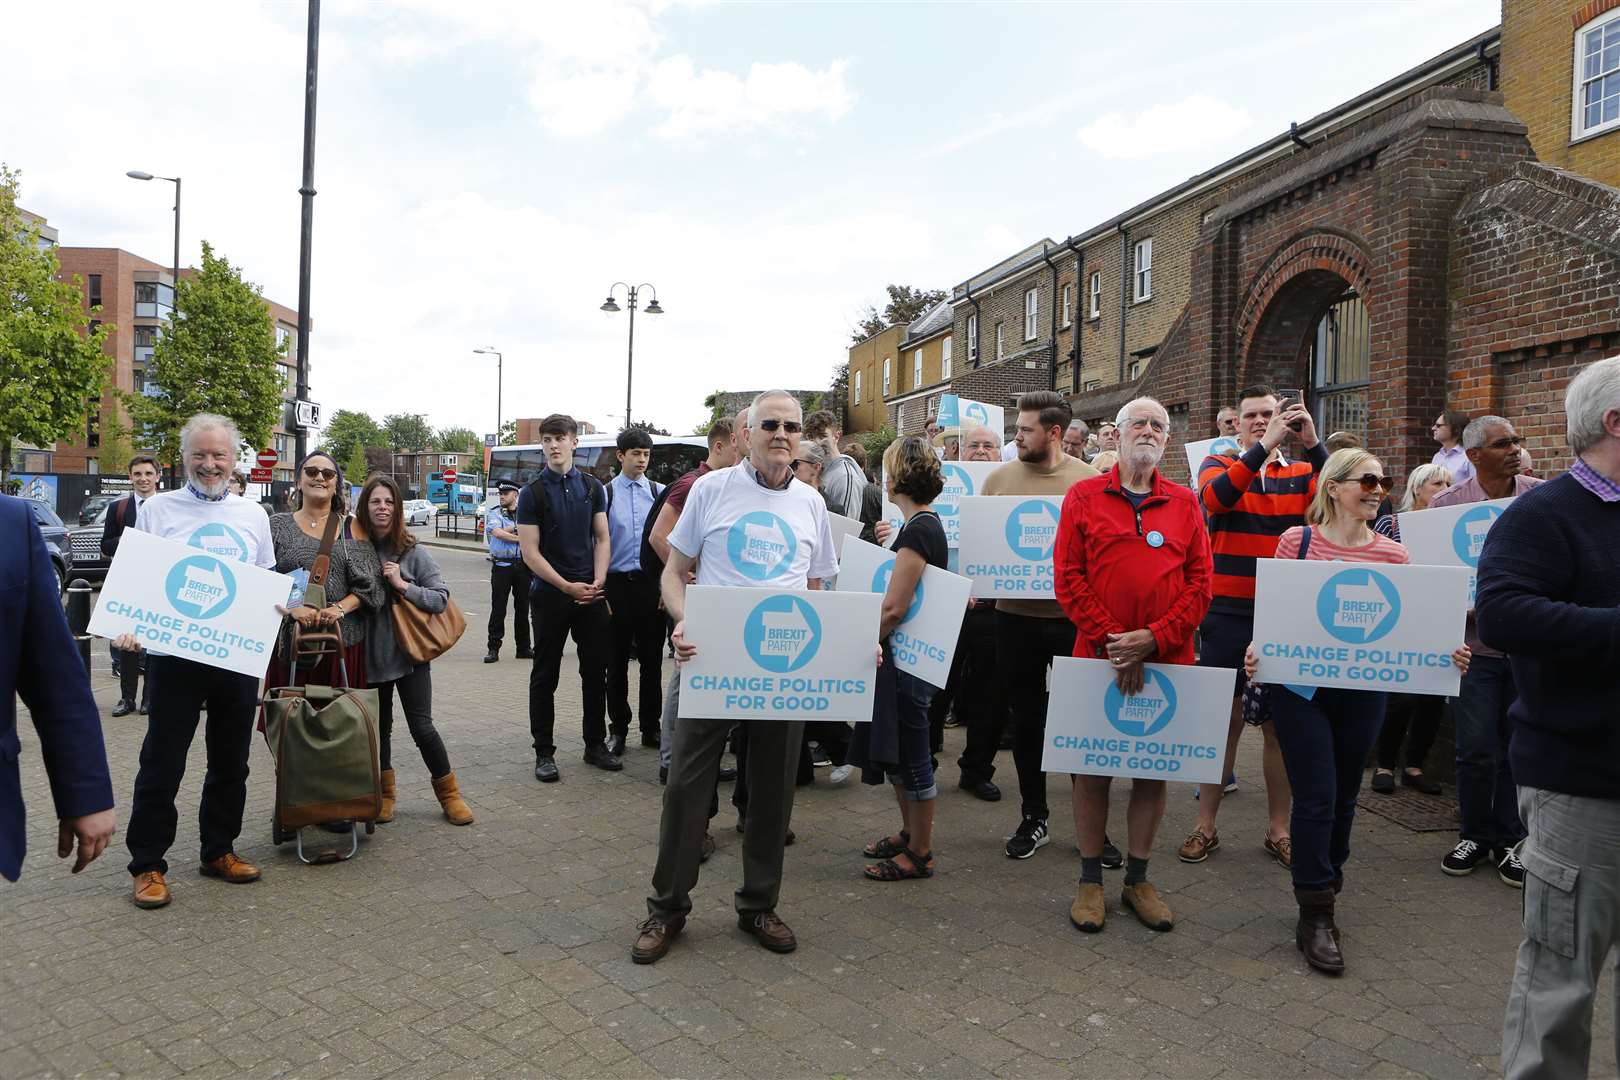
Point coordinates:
pixel 751 526
pixel 1029 633
pixel 1132 573
pixel 1491 828
pixel 201 514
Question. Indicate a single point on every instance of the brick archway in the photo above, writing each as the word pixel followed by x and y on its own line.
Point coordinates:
pixel 1286 298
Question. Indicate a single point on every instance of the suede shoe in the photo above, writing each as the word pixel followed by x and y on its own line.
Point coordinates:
pixel 1144 899
pixel 230 867
pixel 545 770
pixel 654 939
pixel 603 759
pixel 151 891
pixel 1088 912
pixel 769 931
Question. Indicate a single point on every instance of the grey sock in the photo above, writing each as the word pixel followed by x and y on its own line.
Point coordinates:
pixel 1090 870
pixel 1135 870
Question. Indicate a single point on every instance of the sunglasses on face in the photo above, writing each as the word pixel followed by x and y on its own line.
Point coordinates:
pixel 792 427
pixel 315 473
pixel 1369 483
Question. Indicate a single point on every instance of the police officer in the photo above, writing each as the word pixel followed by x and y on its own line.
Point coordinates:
pixel 507 576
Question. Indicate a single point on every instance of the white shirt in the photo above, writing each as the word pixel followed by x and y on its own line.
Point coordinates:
pixel 231 528
pixel 743 533
pixel 1009 451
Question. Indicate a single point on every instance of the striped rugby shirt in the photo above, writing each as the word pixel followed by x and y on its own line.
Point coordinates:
pixel 1249 511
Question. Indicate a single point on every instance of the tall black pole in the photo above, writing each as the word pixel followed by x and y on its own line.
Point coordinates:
pixel 630 358
pixel 176 297
pixel 306 192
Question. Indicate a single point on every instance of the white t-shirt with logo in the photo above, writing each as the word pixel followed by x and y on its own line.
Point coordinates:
pixel 743 533
pixel 230 528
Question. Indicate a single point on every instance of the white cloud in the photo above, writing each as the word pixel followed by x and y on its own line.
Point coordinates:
pixel 770 97
pixel 1193 122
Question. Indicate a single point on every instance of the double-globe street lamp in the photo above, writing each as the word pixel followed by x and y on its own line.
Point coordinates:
pixel 611 306
pixel 499 360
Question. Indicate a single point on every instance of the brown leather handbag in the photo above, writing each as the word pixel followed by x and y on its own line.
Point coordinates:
pixel 424 635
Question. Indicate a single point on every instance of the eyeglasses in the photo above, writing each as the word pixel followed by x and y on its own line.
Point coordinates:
pixel 792 427
pixel 1369 482
pixel 1504 442
pixel 315 473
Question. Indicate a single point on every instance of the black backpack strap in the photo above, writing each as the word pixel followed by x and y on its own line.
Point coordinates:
pixel 1304 543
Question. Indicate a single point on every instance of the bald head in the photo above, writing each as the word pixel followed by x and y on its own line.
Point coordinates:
pixel 739 433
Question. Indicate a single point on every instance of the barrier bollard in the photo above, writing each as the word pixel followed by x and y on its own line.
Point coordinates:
pixel 78 615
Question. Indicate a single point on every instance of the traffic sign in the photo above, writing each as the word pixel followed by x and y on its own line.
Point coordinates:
pixel 258 476
pixel 267 458
pixel 449 476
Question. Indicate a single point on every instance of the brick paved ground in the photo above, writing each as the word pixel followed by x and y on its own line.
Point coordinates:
pixel 502 949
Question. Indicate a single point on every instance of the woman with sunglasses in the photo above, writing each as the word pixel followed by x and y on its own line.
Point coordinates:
pixel 1325 738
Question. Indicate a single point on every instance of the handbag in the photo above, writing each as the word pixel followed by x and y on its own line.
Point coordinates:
pixel 423 636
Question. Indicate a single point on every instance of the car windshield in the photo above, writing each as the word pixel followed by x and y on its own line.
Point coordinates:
pixel 45 515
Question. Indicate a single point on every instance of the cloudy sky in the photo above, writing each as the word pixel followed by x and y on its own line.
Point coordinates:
pixel 487 168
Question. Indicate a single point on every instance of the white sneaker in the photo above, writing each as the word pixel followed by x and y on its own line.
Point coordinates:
pixel 840 773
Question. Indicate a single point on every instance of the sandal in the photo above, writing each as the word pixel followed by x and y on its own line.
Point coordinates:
pixel 886 848
pixel 889 870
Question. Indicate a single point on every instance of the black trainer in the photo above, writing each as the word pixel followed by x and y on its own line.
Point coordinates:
pixel 1462 859
pixel 1031 836
pixel 1112 857
pixel 1508 866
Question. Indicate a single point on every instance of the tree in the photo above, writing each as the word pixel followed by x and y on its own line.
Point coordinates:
pixel 459 441
pixel 876 442
pixel 407 431
pixel 651 429
pixel 52 368
pixel 905 304
pixel 715 404
pixel 509 433
pixel 112 457
pixel 347 430
pixel 837 396
pixel 218 354
pixel 355 466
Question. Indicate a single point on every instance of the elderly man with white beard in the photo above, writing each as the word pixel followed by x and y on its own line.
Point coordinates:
pixel 1133 572
pixel 204 514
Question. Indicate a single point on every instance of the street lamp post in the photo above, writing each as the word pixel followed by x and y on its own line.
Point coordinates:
pixel 632 291
pixel 499 362
pixel 136 174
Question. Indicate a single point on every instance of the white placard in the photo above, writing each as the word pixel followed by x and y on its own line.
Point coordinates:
pixel 1173 729
pixel 925 641
pixel 780 654
pixel 963 479
pixel 1361 626
pixel 179 601
pixel 967 414
pixel 1198 451
pixel 1451 535
pixel 1007 543
pixel 842 528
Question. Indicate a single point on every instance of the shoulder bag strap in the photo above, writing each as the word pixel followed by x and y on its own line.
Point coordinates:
pixel 1304 543
pixel 323 557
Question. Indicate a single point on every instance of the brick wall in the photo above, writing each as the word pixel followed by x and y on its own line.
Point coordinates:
pixel 1537 79
pixel 867 358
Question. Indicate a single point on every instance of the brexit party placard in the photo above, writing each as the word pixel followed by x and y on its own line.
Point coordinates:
pixel 966 414
pixel 1359 626
pixel 197 601
pixel 842 529
pixel 1451 535
pixel 925 641
pixel 1174 728
pixel 780 654
pixel 1007 542
pixel 1198 451
pixel 963 479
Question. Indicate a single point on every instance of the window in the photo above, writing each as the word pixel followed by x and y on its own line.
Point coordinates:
pixel 973 339
pixel 1093 384
pixel 1001 340
pixel 1032 307
pixel 153 300
pixel 1341 367
pixel 95 290
pixel 145 338
pixel 916 368
pixel 945 359
pixel 1068 304
pixel 1144 269
pixel 1095 289
pixel 885 376
pixel 1597 77
pixel 857 388
pixel 1134 371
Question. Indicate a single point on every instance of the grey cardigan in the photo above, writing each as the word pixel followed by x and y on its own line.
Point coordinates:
pixel 427 590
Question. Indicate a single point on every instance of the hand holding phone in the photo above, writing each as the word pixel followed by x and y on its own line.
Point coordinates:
pixel 1289 398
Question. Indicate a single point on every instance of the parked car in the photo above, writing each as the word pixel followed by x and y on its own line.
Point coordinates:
pixel 90 511
pixel 84 545
pixel 419 511
pixel 56 541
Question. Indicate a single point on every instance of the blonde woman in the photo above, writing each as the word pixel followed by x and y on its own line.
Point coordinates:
pixel 1425 482
pixel 1326 737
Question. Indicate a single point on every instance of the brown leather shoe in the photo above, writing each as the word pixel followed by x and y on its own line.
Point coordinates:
pixel 654 939
pixel 1316 936
pixel 389 794
pixel 456 810
pixel 230 867
pixel 1198 847
pixel 1144 899
pixel 1088 912
pixel 770 931
pixel 151 891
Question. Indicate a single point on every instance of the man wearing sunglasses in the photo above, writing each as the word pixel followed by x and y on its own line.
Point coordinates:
pixel 1491 828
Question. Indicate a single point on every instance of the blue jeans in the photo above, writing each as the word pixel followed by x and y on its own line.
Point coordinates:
pixel 916 774
pixel 1325 742
pixel 1485 792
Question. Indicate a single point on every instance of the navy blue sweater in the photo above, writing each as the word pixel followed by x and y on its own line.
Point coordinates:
pixel 1549 597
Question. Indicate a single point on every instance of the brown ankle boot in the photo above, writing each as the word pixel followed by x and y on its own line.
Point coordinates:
pixel 456 809
pixel 388 794
pixel 1316 935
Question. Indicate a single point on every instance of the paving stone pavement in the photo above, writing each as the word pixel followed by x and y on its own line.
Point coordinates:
pixel 502 949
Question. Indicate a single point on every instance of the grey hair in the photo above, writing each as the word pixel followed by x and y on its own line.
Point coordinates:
pixel 767 395
pixel 1473 436
pixel 813 452
pixel 1085 429
pixel 208 422
pixel 1418 477
pixel 1592 394
pixel 1125 409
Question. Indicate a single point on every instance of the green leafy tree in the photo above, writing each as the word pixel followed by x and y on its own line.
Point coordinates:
pixel 52 368
pixel 349 429
pixel 407 431
pixel 837 396
pixel 651 429
pixel 876 442
pixel 354 466
pixel 509 433
pixel 716 411
pixel 905 304
pixel 459 441
pixel 115 451
pixel 219 355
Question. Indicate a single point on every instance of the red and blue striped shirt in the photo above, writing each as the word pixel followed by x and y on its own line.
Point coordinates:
pixel 1250 504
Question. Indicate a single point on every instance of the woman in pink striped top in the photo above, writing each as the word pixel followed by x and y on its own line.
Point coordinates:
pixel 1325 738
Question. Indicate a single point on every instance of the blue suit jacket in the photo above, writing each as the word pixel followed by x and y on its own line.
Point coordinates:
pixel 39 661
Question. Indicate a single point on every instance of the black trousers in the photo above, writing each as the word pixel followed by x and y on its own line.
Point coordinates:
pixel 1025 646
pixel 979 693
pixel 638 632
pixel 416 699
pixel 131 666
pixel 555 616
pixel 510 581
pixel 1415 716
pixel 179 689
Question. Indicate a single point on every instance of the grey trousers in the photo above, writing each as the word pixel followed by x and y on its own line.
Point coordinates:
pixel 773 760
pixel 1571 922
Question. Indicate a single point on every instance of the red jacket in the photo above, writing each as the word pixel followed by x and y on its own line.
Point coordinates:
pixel 1112 579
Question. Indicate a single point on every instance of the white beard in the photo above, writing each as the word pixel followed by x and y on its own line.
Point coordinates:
pixel 214 490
